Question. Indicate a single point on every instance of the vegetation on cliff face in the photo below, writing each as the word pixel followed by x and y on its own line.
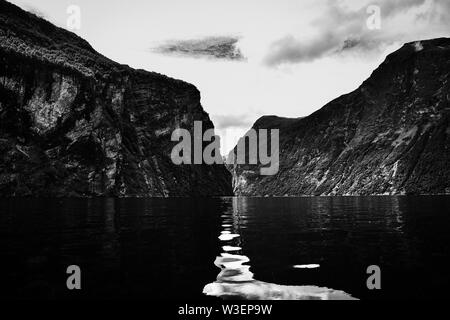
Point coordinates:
pixel 390 136
pixel 74 123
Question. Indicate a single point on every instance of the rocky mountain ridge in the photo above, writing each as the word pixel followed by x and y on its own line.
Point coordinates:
pixel 74 123
pixel 390 136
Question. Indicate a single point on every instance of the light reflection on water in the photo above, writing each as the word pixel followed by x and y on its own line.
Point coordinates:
pixel 236 281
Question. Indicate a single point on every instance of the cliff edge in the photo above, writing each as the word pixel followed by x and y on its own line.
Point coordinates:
pixel 74 123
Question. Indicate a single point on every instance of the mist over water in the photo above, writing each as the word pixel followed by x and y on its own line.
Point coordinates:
pixel 176 248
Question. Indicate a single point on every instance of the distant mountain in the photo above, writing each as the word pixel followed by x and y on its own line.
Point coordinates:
pixel 389 136
pixel 74 123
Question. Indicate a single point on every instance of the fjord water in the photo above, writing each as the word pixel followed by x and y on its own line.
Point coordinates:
pixel 175 248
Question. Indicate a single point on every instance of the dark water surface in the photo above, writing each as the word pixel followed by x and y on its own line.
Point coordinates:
pixel 173 248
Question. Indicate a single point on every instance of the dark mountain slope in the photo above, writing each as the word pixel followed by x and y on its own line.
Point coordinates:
pixel 74 123
pixel 390 136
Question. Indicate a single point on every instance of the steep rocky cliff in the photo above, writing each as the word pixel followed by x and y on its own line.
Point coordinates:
pixel 390 136
pixel 74 123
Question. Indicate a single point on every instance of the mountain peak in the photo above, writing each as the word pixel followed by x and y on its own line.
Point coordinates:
pixel 389 136
pixel 74 123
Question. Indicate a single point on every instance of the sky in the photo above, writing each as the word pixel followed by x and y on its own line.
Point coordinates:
pixel 251 58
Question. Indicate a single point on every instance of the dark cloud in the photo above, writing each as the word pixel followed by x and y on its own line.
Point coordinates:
pixel 224 48
pixel 290 49
pixel 340 30
pixel 232 121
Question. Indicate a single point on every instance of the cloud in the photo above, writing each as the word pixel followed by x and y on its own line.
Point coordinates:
pixel 221 47
pixel 36 11
pixel 232 121
pixel 342 29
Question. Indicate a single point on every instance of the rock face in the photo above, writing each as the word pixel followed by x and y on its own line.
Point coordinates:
pixel 390 136
pixel 74 123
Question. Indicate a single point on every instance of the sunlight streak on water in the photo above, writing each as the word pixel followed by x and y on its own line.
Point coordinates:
pixel 231 248
pixel 306 266
pixel 235 280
